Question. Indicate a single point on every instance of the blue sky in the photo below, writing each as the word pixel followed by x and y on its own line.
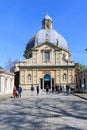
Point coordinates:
pixel 20 19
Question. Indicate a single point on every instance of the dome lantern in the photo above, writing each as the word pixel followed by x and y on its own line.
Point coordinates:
pixel 47 22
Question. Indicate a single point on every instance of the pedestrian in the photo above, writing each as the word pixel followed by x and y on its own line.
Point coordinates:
pixel 37 89
pixel 47 89
pixel 67 89
pixel 32 90
pixel 19 91
pixel 15 92
pixel 57 89
pixel 52 88
pixel 61 88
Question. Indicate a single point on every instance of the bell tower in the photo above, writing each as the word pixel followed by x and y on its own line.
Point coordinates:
pixel 47 22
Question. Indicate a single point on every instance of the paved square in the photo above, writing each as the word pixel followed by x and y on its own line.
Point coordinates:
pixel 43 112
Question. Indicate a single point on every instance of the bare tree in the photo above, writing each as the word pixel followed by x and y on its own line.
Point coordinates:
pixel 10 65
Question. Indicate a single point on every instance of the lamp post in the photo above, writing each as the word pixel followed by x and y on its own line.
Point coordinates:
pixel 67 71
pixel 86 82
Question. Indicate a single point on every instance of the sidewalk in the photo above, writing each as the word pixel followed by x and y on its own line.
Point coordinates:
pixel 81 95
pixel 5 97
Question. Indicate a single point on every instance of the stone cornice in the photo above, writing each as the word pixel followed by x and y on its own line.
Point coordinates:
pixel 49 66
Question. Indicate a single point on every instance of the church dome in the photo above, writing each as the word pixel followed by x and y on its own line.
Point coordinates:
pixel 47 34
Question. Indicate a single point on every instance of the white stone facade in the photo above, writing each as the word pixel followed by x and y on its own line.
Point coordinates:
pixel 33 70
pixel 6 82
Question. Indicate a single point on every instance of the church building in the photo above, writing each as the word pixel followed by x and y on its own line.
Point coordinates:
pixel 47 59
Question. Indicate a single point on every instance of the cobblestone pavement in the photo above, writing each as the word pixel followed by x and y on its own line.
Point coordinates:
pixel 43 112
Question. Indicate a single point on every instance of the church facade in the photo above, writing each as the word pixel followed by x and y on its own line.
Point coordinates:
pixel 47 59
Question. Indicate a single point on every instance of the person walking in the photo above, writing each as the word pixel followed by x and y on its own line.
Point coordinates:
pixel 14 92
pixel 61 88
pixel 47 89
pixel 67 89
pixel 19 91
pixel 37 89
pixel 53 88
pixel 57 88
pixel 32 90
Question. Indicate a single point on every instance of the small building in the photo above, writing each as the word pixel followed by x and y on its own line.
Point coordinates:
pixel 6 82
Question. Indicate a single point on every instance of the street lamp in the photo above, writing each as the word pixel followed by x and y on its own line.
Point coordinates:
pixel 67 71
pixel 86 82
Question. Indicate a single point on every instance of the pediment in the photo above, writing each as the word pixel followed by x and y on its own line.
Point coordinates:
pixel 48 46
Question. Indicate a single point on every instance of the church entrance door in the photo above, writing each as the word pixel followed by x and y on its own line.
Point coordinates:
pixel 47 80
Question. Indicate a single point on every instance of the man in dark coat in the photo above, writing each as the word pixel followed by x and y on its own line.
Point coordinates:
pixel 19 91
pixel 37 88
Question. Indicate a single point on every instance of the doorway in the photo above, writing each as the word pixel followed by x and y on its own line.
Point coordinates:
pixel 47 80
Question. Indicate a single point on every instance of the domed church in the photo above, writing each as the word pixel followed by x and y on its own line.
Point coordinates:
pixel 47 59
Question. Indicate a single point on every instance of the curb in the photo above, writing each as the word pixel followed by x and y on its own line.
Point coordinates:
pixel 80 96
pixel 5 97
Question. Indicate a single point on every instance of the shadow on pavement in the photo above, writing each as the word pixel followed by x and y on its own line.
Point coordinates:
pixel 41 113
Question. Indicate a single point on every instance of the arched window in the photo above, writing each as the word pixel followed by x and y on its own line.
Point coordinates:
pixel 29 77
pixel 64 77
pixel 47 77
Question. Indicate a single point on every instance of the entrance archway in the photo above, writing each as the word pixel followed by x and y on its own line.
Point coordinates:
pixel 47 80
